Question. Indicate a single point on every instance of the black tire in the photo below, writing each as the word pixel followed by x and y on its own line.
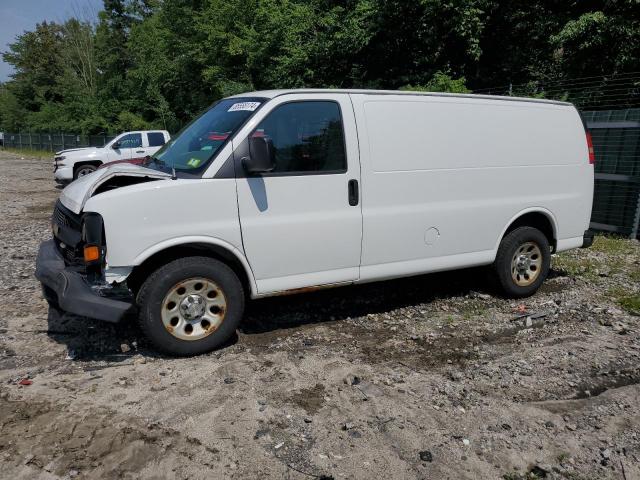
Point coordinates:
pixel 83 168
pixel 502 267
pixel 153 291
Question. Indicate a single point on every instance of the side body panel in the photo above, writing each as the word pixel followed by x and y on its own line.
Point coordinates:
pixel 146 218
pixel 442 178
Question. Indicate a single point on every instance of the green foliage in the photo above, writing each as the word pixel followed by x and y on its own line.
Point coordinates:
pixel 11 111
pixel 600 41
pixel 441 82
pixel 158 63
pixel 131 121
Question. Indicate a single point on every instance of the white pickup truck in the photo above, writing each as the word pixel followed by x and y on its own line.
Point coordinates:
pixel 130 147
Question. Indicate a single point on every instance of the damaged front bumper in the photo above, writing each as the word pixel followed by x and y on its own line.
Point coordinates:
pixel 71 291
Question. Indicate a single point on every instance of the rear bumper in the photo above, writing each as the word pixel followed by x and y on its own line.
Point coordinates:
pixel 70 290
pixel 587 238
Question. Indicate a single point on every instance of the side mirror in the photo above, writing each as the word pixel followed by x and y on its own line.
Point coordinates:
pixel 116 146
pixel 261 157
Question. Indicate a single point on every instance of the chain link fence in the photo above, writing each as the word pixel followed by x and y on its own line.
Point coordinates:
pixel 616 142
pixel 54 142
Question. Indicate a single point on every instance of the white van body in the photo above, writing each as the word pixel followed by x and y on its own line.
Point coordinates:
pixel 440 179
pixel 126 147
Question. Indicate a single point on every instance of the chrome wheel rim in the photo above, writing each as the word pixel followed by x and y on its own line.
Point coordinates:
pixel 85 171
pixel 193 309
pixel 526 264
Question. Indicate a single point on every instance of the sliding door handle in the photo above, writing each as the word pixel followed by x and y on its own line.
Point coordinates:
pixel 354 194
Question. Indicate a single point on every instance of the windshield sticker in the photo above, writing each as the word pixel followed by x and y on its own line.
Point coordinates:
pixel 248 106
pixel 194 162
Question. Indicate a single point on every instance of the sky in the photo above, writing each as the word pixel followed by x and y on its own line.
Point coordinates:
pixel 18 16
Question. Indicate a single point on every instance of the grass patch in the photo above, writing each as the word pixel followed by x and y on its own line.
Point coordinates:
pixel 27 152
pixel 629 301
pixel 611 257
pixel 612 245
pixel 575 267
pixel 472 309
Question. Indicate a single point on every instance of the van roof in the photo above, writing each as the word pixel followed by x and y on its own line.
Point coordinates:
pixel 277 93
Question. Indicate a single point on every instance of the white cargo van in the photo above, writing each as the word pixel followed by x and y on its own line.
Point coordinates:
pixel 281 191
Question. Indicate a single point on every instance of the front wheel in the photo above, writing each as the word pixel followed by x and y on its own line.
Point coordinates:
pixel 84 170
pixel 522 262
pixel 190 306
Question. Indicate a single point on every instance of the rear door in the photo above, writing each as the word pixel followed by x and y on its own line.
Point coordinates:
pixel 302 223
pixel 153 142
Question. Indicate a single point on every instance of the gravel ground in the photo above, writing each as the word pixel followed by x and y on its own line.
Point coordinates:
pixel 431 377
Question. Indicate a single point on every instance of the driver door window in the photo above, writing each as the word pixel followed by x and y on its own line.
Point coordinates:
pixel 308 138
pixel 126 146
pixel 132 140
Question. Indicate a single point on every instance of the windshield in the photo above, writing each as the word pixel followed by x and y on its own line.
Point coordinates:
pixel 196 145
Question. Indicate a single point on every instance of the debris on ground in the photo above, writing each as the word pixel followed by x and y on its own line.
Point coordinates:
pixel 425 377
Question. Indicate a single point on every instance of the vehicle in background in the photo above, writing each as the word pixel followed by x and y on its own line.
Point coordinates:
pixel 1 139
pixel 287 191
pixel 128 147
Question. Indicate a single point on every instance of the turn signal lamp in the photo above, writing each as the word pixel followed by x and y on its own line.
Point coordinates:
pixel 91 253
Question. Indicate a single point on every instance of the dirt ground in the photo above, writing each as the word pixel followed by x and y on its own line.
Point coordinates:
pixel 431 377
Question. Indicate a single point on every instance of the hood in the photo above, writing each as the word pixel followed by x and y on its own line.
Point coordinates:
pixel 76 194
pixel 83 150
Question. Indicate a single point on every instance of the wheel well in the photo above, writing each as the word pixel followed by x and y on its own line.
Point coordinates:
pixel 536 220
pixel 97 163
pixel 140 273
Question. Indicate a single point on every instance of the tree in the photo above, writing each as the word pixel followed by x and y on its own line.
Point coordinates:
pixel 12 114
pixel 600 42
pixel 79 53
pixel 440 82
pixel 37 61
pixel 158 63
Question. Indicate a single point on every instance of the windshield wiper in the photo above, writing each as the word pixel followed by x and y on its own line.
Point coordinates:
pixel 149 159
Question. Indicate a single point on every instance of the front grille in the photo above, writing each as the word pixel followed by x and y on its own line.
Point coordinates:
pixel 60 218
pixel 67 236
pixel 65 217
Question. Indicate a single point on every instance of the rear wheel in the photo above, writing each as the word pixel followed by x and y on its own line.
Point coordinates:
pixel 84 170
pixel 191 305
pixel 522 262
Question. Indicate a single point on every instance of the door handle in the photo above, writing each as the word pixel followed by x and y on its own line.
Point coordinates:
pixel 354 195
pixel 139 151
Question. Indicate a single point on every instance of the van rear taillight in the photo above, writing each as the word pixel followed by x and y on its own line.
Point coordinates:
pixel 592 155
